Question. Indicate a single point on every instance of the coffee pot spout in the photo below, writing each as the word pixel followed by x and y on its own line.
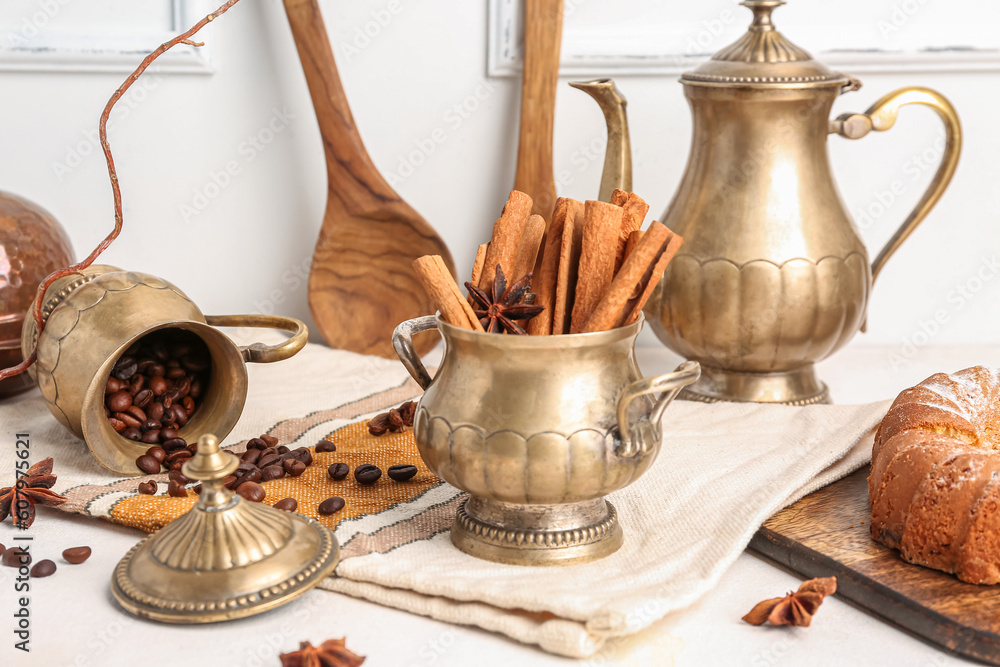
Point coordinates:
pixel 618 153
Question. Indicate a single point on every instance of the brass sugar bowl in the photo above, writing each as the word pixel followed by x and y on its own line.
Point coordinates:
pixel 94 316
pixel 773 276
pixel 538 429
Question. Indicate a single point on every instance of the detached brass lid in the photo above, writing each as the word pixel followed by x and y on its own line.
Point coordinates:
pixel 226 558
pixel 763 57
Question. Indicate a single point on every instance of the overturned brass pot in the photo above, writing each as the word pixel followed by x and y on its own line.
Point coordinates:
pixel 93 316
pixel 538 429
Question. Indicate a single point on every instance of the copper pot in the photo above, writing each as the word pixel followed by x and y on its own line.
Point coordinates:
pixel 93 316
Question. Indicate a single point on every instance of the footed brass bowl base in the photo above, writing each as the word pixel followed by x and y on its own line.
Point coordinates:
pixel 798 387
pixel 565 534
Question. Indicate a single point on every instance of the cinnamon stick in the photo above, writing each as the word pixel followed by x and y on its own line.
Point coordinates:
pixel 601 224
pixel 651 280
pixel 569 261
pixel 477 268
pixel 633 238
pixel 619 197
pixel 547 271
pixel 634 211
pixel 444 293
pixel 615 304
pixel 530 242
pixel 505 245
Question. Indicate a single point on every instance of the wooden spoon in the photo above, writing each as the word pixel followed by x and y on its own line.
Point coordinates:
pixel 362 282
pixel 542 41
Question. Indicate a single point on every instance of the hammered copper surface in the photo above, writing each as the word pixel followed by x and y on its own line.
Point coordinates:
pixel 773 275
pixel 32 245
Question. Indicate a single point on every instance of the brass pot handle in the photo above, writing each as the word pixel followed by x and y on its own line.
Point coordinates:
pixel 880 117
pixel 670 384
pixel 259 352
pixel 402 343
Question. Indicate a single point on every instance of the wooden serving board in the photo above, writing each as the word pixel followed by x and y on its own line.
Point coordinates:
pixel 827 534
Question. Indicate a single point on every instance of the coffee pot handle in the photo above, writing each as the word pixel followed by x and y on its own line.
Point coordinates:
pixel 670 384
pixel 402 343
pixel 880 117
pixel 259 352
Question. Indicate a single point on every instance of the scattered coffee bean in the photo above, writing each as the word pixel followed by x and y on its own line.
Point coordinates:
pixel 178 455
pixel 148 464
pixel 16 557
pixel 269 440
pixel 76 555
pixel 257 443
pixel 269 459
pixel 271 472
pixel 294 467
pixel 197 489
pixel 338 471
pixel 401 472
pixel 303 454
pixel 287 504
pixel 229 482
pixel 179 476
pixel 2 549
pixel 325 446
pixel 251 455
pixel 252 491
pixel 147 488
pixel 157 453
pixel 43 568
pixel 283 449
pixel 331 505
pixel 176 490
pixel 254 475
pixel 173 444
pixel 367 474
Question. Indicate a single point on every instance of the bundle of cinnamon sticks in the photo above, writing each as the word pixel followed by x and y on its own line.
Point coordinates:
pixel 592 267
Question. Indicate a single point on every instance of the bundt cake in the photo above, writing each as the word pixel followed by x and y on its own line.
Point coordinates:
pixel 934 486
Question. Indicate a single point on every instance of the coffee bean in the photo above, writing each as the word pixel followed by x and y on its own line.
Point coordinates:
pixel 197 489
pixel 294 467
pixel 157 453
pixel 125 372
pixel 113 384
pixel 195 363
pixel 254 475
pixel 43 568
pixel 147 488
pixel 251 455
pixel 151 437
pixel 178 455
pixel 367 474
pixel 158 385
pixel 172 444
pixel 269 451
pixel 2 549
pixel 303 454
pixel 129 420
pixel 256 443
pixel 331 505
pixel 325 446
pixel 189 405
pixel 155 370
pixel 76 555
pixel 138 382
pixel 148 464
pixel 116 424
pixel 155 411
pixel 179 414
pixel 229 482
pixel 271 472
pixel 138 413
pixel 252 491
pixel 269 459
pixel 283 449
pixel 179 476
pixel 338 471
pixel 269 440
pixel 119 401
pixel 143 398
pixel 401 472
pixel 16 557
pixel 132 433
pixel 176 490
pixel 287 504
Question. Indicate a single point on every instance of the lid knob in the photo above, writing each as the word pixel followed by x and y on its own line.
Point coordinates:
pixel 762 13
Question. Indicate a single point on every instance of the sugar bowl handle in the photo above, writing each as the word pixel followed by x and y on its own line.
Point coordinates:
pixel 259 352
pixel 402 343
pixel 670 384
pixel 880 117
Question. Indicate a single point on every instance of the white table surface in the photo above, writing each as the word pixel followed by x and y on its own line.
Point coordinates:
pixel 74 620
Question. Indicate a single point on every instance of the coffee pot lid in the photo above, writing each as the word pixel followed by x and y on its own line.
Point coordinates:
pixel 763 58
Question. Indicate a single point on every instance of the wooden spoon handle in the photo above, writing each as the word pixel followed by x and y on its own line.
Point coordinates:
pixel 347 160
pixel 542 41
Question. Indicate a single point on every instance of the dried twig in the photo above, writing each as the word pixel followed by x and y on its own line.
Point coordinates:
pixel 183 38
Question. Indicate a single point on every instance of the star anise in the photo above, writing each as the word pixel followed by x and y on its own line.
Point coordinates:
pixel 33 487
pixel 795 609
pixel 497 311
pixel 331 653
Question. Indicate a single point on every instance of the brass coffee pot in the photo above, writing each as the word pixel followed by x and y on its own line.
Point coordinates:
pixel 773 276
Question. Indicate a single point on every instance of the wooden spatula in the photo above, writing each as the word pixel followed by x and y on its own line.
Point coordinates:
pixel 361 284
pixel 542 41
